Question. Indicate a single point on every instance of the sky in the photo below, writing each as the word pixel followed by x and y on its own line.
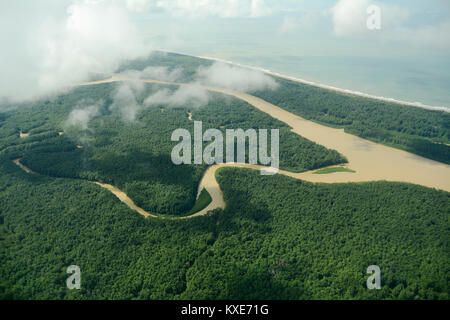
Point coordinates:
pixel 48 45
pixel 418 27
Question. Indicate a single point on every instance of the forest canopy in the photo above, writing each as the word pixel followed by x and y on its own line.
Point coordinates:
pixel 277 238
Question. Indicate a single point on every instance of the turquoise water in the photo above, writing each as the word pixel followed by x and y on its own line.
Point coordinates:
pixel 428 83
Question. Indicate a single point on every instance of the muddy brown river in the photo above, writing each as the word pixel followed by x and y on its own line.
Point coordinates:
pixel 371 161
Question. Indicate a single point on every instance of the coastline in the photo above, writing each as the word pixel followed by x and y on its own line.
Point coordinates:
pixel 322 86
pixel 332 88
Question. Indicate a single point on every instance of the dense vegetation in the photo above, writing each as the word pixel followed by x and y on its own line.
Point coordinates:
pixel 278 238
pixel 48 224
pixel 281 238
pixel 135 156
pixel 204 199
pixel 420 131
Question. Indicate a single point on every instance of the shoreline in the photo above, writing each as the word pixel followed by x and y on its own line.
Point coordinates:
pixel 416 104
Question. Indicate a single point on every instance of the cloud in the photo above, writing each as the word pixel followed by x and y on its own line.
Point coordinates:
pixel 235 78
pixel 125 99
pixel 260 9
pixel 155 73
pixel 162 73
pixel 218 8
pixel 138 5
pixel 425 36
pixel 54 45
pixel 81 117
pixel 127 96
pixel 350 20
pixel 350 17
pixel 191 95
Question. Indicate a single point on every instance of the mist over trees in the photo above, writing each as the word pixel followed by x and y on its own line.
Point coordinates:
pixel 277 238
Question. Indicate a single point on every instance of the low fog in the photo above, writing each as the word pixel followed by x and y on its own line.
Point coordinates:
pixel 55 45
pixel 81 116
pixel 231 77
pixel 51 45
pixel 125 99
pixel 154 73
pixel 193 95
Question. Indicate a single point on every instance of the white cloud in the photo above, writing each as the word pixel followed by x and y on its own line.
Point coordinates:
pixel 155 73
pixel 125 99
pixel 191 95
pixel 81 117
pixel 219 8
pixel 425 36
pixel 138 5
pixel 260 9
pixel 350 20
pixel 235 78
pixel 349 17
pixel 50 50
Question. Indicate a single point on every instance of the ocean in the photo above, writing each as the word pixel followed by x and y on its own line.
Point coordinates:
pixel 427 84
